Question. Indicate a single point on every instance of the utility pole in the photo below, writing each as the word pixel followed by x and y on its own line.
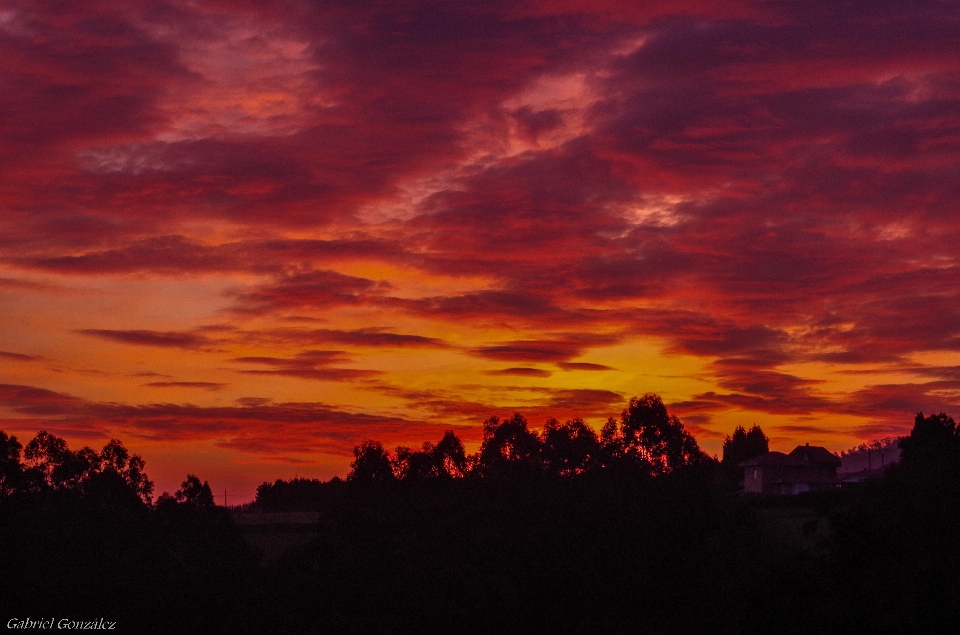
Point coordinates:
pixel 224 497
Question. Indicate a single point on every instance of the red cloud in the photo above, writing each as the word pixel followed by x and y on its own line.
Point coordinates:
pixel 307 365
pixel 521 371
pixel 18 357
pixel 163 339
pixel 30 400
pixel 205 385
pixel 255 427
pixel 582 366
pixel 315 289
pixel 373 337
pixel 530 351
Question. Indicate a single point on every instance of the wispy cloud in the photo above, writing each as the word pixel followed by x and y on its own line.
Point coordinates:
pixel 306 365
pixel 140 337
pixel 204 385
pixel 521 371
pixel 18 357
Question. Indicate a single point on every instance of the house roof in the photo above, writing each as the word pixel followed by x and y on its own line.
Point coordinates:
pixel 801 456
pixel 815 455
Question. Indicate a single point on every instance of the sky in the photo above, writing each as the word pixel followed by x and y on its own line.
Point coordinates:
pixel 244 237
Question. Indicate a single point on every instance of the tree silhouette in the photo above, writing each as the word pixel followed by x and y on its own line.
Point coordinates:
pixel 116 459
pixel 371 464
pixel 450 456
pixel 740 447
pixel 744 445
pixel 509 447
pixel 414 465
pixel 933 447
pixel 193 493
pixel 298 494
pixel 52 464
pixel 569 448
pixel 649 436
pixel 11 470
pixel 612 453
pixel 446 459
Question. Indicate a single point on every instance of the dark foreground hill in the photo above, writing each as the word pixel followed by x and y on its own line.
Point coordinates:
pixel 613 550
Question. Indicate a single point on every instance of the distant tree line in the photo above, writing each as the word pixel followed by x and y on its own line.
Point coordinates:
pixel 646 440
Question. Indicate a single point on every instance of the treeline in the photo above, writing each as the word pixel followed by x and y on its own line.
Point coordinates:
pixel 82 538
pixel 646 441
pixel 49 465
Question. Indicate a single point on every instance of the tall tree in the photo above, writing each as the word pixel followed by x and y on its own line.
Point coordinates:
pixel 744 445
pixel 193 493
pixel 450 456
pixel 446 459
pixel 52 464
pixel 933 447
pixel 415 465
pixel 569 448
pixel 11 469
pixel 371 464
pixel 650 435
pixel 509 447
pixel 115 458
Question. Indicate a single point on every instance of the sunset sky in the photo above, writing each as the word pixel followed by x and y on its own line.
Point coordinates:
pixel 244 238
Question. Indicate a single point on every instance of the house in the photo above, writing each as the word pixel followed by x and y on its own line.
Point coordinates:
pixel 808 468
